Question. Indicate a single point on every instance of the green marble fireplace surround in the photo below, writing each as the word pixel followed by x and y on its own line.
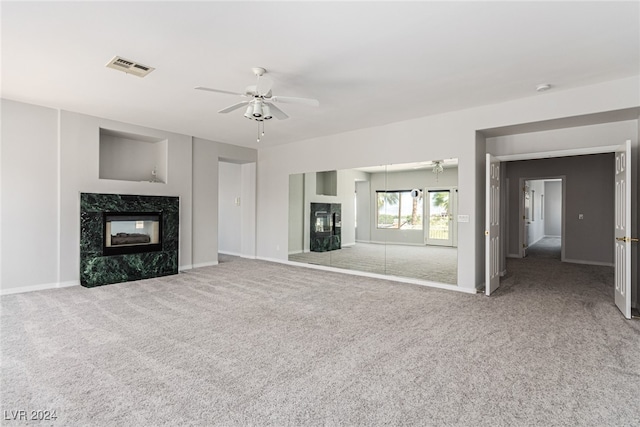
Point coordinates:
pixel 97 268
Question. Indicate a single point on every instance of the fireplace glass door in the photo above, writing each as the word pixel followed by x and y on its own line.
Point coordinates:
pixel 126 233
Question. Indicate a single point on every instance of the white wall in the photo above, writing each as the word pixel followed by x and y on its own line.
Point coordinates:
pixel 536 222
pixel 553 208
pixel 439 136
pixel 229 219
pixel 51 156
pixel 248 212
pixel 29 188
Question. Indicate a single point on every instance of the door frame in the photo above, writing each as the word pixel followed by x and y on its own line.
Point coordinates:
pixel 453 213
pixel 570 153
pixel 522 220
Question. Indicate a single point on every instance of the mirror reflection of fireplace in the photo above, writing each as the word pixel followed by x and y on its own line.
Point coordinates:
pixel 132 232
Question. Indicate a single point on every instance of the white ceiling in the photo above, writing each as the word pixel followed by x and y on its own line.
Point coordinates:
pixel 368 63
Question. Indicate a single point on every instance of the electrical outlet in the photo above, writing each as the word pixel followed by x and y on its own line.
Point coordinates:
pixel 580 216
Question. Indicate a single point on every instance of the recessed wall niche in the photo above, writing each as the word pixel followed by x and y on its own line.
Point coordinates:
pixel 327 183
pixel 130 157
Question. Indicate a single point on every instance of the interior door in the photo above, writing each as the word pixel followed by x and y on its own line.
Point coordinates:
pixel 525 215
pixel 492 230
pixel 439 230
pixel 623 230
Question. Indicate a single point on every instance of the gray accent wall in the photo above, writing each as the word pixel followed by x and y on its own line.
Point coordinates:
pixel 589 191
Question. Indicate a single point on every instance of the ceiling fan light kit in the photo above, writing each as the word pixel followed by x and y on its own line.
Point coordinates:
pixel 261 107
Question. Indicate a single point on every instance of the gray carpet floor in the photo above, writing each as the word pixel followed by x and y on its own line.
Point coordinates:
pixel 431 263
pixel 547 247
pixel 255 343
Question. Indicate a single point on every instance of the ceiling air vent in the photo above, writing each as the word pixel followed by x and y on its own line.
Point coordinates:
pixel 129 67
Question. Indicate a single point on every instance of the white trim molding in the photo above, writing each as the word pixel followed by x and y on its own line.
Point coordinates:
pixel 41 287
pixel 581 261
pixel 426 283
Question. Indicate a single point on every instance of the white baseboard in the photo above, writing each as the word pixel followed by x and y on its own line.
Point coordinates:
pixel 229 253
pixel 237 254
pixel 580 261
pixel 204 264
pixel 375 276
pixel 549 235
pixel 533 243
pixel 41 287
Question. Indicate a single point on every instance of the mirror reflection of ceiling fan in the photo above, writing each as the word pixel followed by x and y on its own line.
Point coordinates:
pixel 260 105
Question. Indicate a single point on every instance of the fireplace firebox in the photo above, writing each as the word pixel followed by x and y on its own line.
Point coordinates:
pixel 132 232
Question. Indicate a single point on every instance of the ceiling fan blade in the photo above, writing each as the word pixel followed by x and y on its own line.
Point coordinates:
pixel 277 113
pixel 264 85
pixel 233 107
pixel 291 100
pixel 218 91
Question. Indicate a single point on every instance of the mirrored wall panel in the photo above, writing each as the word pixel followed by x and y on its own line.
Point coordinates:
pixel 397 220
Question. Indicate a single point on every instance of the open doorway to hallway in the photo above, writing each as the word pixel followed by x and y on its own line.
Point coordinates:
pixel 542 218
pixel 236 209
pixel 580 187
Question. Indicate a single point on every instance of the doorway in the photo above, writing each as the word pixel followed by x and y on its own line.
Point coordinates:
pixel 441 206
pixel 541 217
pixel 593 213
pixel 236 208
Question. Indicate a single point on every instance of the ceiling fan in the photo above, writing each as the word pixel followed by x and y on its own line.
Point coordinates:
pixel 260 105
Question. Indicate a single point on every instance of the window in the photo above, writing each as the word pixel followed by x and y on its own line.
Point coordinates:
pixel 397 209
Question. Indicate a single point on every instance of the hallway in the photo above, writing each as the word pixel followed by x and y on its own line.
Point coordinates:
pixel 547 247
pixel 541 275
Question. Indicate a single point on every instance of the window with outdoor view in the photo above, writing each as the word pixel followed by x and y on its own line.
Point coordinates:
pixel 397 209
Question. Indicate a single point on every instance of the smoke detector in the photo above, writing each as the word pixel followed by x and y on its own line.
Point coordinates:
pixel 129 67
